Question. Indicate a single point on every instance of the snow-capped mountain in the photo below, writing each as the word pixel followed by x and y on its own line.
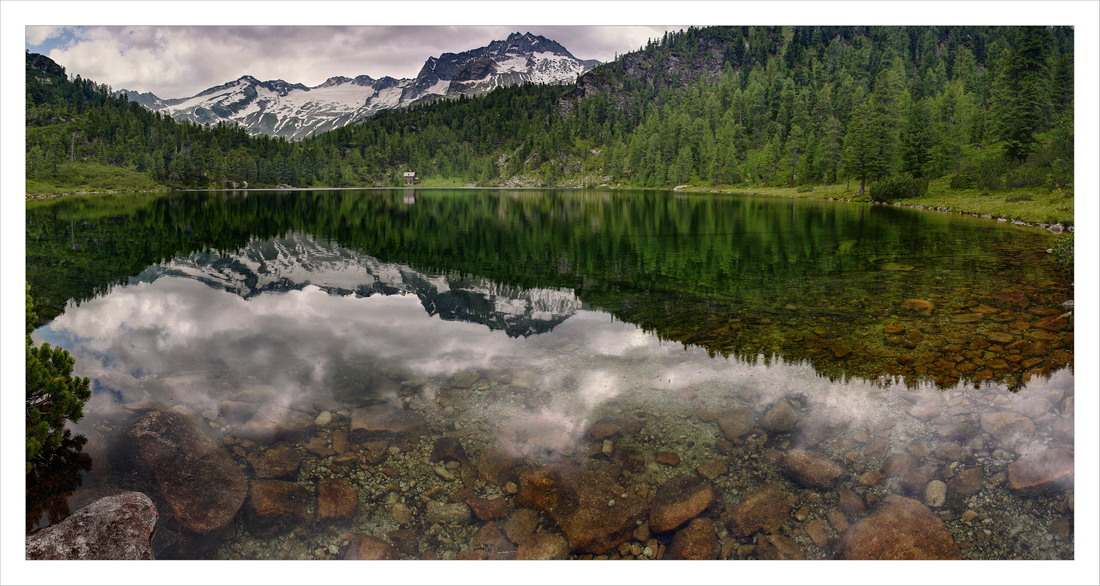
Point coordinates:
pixel 296 260
pixel 295 111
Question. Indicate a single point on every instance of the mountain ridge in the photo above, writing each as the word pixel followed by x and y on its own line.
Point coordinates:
pixel 295 111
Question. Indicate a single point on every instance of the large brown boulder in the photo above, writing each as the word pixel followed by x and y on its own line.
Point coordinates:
pixel 899 529
pixel 277 462
pixel 337 500
pixel 275 506
pixel 696 541
pixel 117 527
pixel 200 484
pixel 678 500
pixel 588 506
pixel 766 508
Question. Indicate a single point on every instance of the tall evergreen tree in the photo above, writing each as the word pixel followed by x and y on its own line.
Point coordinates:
pixel 1021 93
pixel 917 141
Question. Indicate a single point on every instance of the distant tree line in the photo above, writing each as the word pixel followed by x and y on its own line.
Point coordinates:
pixel 720 105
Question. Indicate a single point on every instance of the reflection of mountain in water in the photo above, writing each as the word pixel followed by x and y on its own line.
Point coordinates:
pixel 297 260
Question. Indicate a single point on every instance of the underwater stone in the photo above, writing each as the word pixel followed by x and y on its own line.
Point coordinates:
pixel 899 529
pixel 696 541
pixel 810 468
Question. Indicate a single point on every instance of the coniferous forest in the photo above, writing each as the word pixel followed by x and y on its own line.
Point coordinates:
pixel 982 107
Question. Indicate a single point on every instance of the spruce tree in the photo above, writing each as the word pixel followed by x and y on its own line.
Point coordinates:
pixel 917 141
pixel 1021 93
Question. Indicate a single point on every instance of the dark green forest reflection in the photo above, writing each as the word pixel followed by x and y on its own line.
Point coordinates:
pixel 855 289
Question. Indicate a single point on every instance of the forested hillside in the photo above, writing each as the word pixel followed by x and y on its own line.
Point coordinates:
pixel 989 107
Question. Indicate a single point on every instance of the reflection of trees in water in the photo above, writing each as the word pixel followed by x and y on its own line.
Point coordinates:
pixel 54 475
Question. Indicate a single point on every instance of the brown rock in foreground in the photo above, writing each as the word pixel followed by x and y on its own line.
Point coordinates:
pixel 365 547
pixel 781 417
pixel 280 461
pixel 736 423
pixel 899 529
pixel 543 546
pixel 337 500
pixel 588 506
pixel 275 506
pixel 1040 472
pixel 810 468
pixel 496 464
pixel 766 508
pixel 200 483
pixel 777 547
pixel 696 541
pixel 678 500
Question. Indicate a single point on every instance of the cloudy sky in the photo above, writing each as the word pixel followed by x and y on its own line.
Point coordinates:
pixel 177 49
pixel 180 61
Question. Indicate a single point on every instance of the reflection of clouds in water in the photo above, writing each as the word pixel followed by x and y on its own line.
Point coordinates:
pixel 179 336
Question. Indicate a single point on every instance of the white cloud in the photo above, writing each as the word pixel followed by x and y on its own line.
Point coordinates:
pixel 36 35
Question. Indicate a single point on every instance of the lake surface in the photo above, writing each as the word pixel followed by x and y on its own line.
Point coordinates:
pixel 412 372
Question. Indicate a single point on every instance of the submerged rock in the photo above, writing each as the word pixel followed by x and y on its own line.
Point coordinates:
pixel 117 527
pixel 696 541
pixel 383 422
pixel 337 500
pixel 899 529
pixel 275 506
pixel 280 461
pixel 366 547
pixel 678 500
pixel 1041 472
pixel 543 546
pixel 765 508
pixel 810 468
pixel 591 508
pixel 201 485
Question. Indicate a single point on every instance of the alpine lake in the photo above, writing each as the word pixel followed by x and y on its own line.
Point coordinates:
pixel 559 374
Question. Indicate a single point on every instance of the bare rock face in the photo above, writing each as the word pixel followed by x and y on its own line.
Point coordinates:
pixel 678 500
pixel 1040 472
pixel 766 508
pixel 810 468
pixel 275 506
pixel 899 529
pixel 383 422
pixel 280 461
pixel 366 547
pixel 201 485
pixel 117 527
pixel 588 506
pixel 696 541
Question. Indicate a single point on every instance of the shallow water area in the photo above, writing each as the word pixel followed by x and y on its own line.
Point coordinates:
pixel 578 375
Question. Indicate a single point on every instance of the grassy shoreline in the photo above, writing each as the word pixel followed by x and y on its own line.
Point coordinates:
pixel 1020 205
